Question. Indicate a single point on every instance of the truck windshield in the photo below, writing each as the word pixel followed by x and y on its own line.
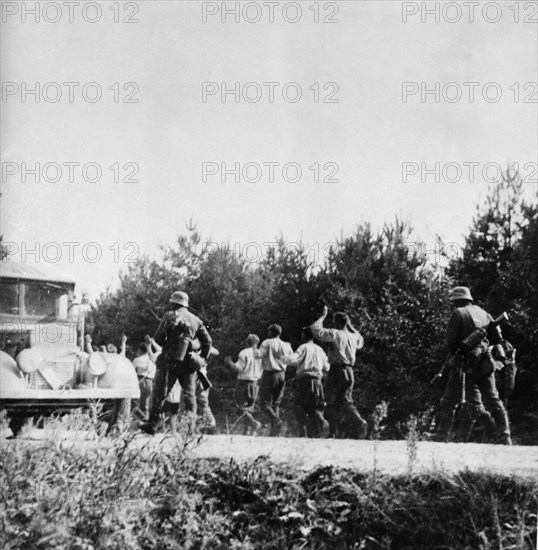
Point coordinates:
pixel 45 300
pixel 9 297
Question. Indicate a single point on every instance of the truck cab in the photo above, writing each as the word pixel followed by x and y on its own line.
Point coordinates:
pixel 43 367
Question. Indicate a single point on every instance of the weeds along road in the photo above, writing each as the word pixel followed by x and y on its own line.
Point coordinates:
pixel 387 457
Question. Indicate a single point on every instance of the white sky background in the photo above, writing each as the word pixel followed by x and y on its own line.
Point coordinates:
pixel 170 52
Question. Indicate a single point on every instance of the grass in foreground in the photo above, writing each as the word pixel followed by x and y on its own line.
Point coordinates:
pixel 120 497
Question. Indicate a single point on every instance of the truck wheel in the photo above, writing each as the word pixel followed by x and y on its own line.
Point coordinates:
pixel 17 421
pixel 124 409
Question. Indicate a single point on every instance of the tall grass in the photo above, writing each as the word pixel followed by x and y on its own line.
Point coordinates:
pixel 132 495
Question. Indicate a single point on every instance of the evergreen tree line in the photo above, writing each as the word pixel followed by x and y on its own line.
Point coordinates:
pixel 393 292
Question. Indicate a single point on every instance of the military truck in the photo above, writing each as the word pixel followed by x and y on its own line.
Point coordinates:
pixel 44 368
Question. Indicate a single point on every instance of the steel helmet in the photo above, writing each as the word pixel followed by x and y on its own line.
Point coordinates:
pixel 28 360
pixel 181 298
pixel 460 293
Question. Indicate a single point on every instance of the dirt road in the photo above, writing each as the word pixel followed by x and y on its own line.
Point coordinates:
pixel 391 457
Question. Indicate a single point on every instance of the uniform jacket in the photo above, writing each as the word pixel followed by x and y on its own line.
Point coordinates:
pixel 462 322
pixel 172 328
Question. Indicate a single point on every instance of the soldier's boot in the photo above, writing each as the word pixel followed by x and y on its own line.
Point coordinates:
pixel 487 422
pixel 207 418
pixel 502 424
pixel 154 421
pixel 445 424
pixel 469 415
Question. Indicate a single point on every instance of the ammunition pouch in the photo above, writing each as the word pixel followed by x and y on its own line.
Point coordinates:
pixel 479 362
pixel 195 362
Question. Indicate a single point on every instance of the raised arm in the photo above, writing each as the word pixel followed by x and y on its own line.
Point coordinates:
pixel 155 346
pixel 349 326
pixel 353 330
pixel 152 345
pixel 323 334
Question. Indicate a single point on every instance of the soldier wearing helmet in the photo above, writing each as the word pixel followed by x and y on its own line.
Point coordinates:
pixel 470 371
pixel 176 333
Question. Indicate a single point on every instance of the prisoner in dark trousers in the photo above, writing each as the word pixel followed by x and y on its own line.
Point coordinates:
pixel 312 363
pixel 275 355
pixel 344 341
pixel 249 371
pixel 175 334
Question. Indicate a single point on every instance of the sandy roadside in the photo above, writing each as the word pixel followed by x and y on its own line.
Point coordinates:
pixel 388 457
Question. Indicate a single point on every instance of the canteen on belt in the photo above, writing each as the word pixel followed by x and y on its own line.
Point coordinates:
pixel 28 360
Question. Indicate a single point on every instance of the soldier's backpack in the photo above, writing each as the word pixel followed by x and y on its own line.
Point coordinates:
pixel 477 358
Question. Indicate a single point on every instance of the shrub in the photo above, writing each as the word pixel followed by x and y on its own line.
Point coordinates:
pixel 120 495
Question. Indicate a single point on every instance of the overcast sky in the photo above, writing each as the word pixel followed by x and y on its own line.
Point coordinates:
pixel 170 132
